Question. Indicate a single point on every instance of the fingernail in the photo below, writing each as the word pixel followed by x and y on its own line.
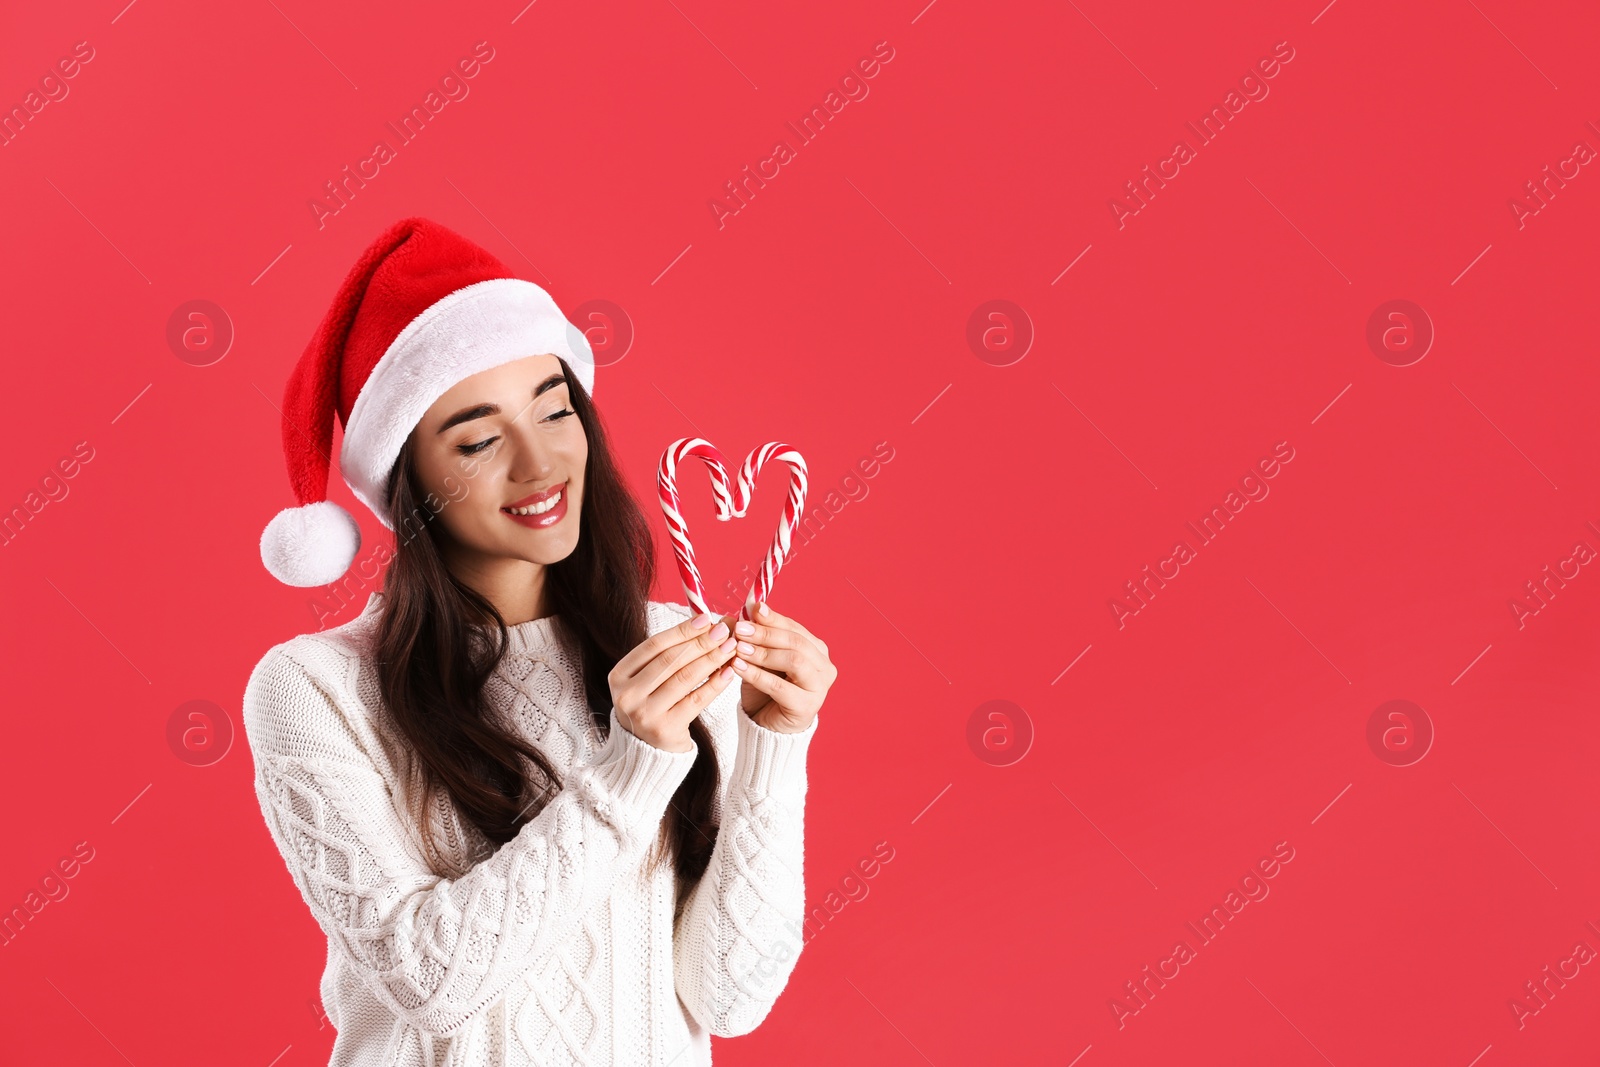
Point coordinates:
pixel 746 628
pixel 726 645
pixel 762 610
pixel 738 664
pixel 725 674
pixel 747 648
pixel 720 632
pixel 703 621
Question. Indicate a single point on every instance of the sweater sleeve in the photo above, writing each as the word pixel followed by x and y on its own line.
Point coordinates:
pixel 436 950
pixel 740 932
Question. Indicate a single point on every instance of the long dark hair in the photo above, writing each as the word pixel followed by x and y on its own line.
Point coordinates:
pixel 432 673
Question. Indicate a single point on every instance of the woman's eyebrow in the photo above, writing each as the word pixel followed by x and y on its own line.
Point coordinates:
pixel 481 410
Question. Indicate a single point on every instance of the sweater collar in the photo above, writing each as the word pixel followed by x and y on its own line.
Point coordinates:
pixel 535 635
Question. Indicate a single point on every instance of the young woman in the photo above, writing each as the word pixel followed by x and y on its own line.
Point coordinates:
pixel 535 817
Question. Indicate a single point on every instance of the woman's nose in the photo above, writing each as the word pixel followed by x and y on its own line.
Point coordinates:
pixel 529 461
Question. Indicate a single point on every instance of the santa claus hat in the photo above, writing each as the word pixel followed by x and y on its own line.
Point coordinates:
pixel 422 309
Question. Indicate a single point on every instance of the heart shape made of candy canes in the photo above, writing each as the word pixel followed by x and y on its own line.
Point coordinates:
pixel 732 499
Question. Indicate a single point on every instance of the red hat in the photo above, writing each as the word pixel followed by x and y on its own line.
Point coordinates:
pixel 422 309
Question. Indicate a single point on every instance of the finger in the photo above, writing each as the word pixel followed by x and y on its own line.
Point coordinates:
pixel 763 612
pixel 647 650
pixel 798 664
pixel 760 633
pixel 683 681
pixel 781 690
pixel 674 656
pixel 783 638
pixel 680 669
pixel 777 620
pixel 696 701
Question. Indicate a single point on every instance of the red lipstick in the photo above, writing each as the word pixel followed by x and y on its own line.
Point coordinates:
pixel 542 520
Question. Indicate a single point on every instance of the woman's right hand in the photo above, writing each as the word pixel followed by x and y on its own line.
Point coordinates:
pixel 665 681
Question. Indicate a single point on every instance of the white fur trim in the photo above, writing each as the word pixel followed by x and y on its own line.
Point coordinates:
pixel 310 545
pixel 473 329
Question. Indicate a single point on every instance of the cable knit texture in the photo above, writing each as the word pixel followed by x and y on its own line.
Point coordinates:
pixel 557 947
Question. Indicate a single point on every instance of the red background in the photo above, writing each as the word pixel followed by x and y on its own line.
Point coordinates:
pixel 831 311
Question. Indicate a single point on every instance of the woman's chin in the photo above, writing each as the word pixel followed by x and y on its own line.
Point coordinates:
pixel 544 548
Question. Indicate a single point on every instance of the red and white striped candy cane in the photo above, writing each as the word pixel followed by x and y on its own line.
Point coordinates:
pixel 732 499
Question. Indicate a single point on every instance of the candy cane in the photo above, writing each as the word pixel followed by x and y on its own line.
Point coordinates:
pixel 732 500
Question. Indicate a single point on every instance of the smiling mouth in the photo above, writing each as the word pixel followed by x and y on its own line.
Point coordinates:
pixel 541 506
pixel 540 509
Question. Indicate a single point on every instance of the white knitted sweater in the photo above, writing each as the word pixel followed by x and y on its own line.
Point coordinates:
pixel 556 947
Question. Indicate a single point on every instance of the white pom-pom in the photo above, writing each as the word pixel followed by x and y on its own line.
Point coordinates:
pixel 310 545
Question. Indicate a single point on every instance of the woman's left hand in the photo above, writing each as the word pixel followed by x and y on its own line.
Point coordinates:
pixel 785 669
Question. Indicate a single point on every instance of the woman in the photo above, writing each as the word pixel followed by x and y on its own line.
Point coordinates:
pixel 520 798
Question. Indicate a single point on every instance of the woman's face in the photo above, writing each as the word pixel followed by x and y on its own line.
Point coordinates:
pixel 503 439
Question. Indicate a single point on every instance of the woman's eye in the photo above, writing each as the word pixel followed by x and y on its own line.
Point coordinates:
pixel 472 450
